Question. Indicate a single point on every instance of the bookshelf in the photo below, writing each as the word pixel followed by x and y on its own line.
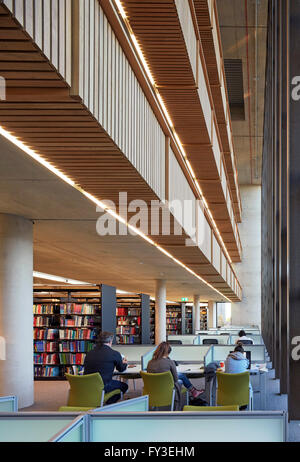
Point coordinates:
pixel 174 319
pixel 133 320
pixel 66 323
pixel 188 319
pixel 152 321
pixel 203 318
pixel 128 320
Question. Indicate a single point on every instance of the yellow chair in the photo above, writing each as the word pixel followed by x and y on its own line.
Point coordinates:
pixel 234 389
pixel 160 388
pixel 210 408
pixel 86 392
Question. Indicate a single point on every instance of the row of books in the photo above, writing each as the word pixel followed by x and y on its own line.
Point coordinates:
pixel 46 309
pixel 78 334
pixel 128 339
pixel 127 330
pixel 46 371
pixel 174 321
pixel 45 334
pixel 128 311
pixel 83 308
pixel 40 346
pixel 56 371
pixel 76 347
pixel 127 322
pixel 42 321
pixel 78 321
pixel 44 358
pixel 70 358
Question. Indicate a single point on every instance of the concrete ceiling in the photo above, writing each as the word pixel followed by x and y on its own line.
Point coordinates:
pixel 244 34
pixel 66 242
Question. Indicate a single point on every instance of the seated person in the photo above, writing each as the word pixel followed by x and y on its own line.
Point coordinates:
pixel 162 363
pixel 104 359
pixel 242 336
pixel 236 362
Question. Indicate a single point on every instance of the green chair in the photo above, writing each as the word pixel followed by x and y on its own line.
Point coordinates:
pixel 210 408
pixel 234 389
pixel 160 388
pixel 87 392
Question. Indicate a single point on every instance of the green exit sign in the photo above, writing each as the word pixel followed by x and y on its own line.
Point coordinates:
pixel 184 299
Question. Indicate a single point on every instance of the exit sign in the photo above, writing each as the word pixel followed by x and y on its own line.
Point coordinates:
pixel 184 299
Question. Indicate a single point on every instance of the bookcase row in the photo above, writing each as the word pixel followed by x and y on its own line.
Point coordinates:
pixel 68 321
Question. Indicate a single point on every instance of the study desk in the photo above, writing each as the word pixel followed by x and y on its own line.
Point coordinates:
pixel 192 370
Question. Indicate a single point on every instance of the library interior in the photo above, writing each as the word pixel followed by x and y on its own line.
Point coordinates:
pixel 148 221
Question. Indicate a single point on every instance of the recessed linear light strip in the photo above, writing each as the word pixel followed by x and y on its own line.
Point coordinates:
pixel 54 170
pixel 165 111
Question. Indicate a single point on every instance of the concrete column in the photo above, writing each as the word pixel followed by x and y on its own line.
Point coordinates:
pixel 212 314
pixel 160 312
pixel 16 311
pixel 248 312
pixel 196 313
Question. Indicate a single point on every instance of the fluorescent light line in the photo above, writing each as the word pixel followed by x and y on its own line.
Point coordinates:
pixel 51 277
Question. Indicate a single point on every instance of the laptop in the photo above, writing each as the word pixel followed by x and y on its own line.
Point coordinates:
pixel 247 355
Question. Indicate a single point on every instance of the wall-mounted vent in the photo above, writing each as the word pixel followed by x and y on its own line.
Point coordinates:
pixel 235 88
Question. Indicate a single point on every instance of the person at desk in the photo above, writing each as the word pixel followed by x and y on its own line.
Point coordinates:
pixel 161 362
pixel 104 359
pixel 242 336
pixel 236 362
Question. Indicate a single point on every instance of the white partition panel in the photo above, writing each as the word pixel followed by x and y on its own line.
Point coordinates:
pixel 258 352
pixel 216 255
pixel 204 232
pixel 110 89
pixel 181 196
pixel 48 23
pixel 185 339
pixel 133 353
pixel 189 353
pixel 185 426
pixel 187 27
pixel 216 149
pixel 204 99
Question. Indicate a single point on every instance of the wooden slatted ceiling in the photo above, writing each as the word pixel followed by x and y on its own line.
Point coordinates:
pixel 205 30
pixel 158 31
pixel 40 111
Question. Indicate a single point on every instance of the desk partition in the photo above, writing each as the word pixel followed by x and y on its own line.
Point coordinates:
pixel 185 339
pixel 140 404
pixel 189 353
pixel 258 352
pixel 252 426
pixel 133 353
pixel 8 404
pixel 76 432
pixel 257 339
pixel 146 358
pixel 32 427
pixel 222 339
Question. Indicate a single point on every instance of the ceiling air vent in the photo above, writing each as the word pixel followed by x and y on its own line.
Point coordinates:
pixel 235 88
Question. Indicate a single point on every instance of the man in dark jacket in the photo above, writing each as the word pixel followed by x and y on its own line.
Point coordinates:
pixel 104 359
